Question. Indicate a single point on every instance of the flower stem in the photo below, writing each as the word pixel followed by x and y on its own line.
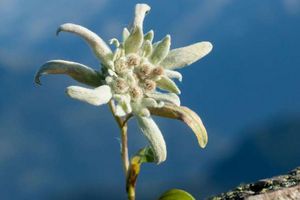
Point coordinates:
pixel 124 149
pixel 131 193
pixel 124 140
pixel 122 123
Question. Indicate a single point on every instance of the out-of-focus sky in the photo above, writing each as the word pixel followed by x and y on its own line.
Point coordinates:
pixel 246 92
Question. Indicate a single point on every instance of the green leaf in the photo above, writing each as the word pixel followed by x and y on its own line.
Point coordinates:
pixel 184 114
pixel 176 194
pixel 145 155
pixel 77 71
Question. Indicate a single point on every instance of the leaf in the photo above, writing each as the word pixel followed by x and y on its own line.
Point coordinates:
pixel 161 50
pixel 125 34
pixel 173 74
pixel 147 48
pixel 144 155
pixel 96 97
pixel 99 47
pixel 151 131
pixel 169 97
pixel 178 58
pixel 134 41
pixel 123 105
pixel 165 83
pixel 184 114
pixel 139 15
pixel 149 102
pixel 149 36
pixel 176 194
pixel 77 71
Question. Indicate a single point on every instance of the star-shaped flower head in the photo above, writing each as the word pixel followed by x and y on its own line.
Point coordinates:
pixel 136 76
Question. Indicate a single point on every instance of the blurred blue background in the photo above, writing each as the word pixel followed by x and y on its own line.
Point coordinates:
pixel 246 92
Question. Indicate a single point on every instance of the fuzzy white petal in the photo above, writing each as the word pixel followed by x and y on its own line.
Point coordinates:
pixel 173 74
pixel 97 96
pixel 139 109
pixel 77 71
pixel 134 41
pixel 119 111
pixel 123 102
pixel 99 47
pixel 147 48
pixel 168 97
pixel 149 102
pixel 161 50
pixel 139 15
pixel 165 83
pixel 178 58
pixel 149 36
pixel 126 104
pixel 125 34
pixel 151 131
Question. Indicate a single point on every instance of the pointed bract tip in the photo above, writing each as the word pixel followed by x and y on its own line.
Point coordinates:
pixel 143 6
pixel 208 45
pixel 168 37
pixel 62 27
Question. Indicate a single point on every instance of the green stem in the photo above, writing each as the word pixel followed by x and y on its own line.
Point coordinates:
pixel 131 193
pixel 133 173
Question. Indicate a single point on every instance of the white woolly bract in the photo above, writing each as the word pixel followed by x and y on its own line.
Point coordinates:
pixel 98 96
pixel 151 131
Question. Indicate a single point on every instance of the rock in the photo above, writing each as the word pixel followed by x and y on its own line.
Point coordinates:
pixel 284 187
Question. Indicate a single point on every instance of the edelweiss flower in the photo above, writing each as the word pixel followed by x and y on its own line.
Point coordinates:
pixel 136 76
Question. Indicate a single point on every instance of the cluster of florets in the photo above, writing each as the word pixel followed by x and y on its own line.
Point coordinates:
pixel 135 74
pixel 132 79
